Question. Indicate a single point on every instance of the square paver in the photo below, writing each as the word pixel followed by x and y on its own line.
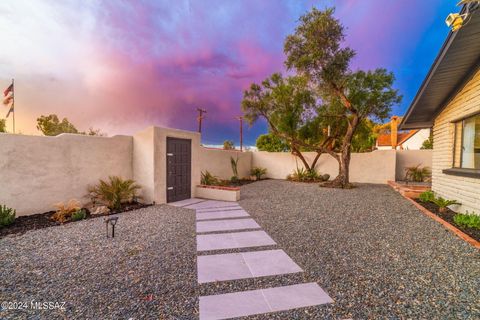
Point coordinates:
pixel 221 214
pixel 233 240
pixel 211 204
pixel 233 207
pixel 246 303
pixel 232 266
pixel 296 296
pixel 225 225
pixel 186 202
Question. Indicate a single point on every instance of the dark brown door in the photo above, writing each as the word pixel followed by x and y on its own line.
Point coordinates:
pixel 179 154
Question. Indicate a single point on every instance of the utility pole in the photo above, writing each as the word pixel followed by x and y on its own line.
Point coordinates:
pixel 240 118
pixel 200 118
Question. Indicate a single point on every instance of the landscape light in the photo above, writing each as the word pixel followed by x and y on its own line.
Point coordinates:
pixel 111 221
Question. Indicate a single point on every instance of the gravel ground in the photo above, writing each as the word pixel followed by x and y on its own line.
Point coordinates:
pixel 372 251
pixel 147 272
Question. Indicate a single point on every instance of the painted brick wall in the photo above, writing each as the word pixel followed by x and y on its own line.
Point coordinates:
pixel 465 190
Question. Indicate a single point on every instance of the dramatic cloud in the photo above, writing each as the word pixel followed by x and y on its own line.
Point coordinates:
pixel 123 65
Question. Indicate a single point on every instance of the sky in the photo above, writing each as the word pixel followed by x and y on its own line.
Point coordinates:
pixel 121 66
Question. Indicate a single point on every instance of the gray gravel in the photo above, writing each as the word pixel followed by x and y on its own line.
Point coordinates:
pixel 147 272
pixel 372 251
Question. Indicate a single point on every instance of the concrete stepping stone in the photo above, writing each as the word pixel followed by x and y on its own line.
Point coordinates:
pixel 221 214
pixel 233 207
pixel 246 303
pixel 233 240
pixel 225 225
pixel 212 204
pixel 186 202
pixel 232 266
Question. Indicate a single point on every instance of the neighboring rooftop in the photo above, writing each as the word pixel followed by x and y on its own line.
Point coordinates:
pixel 456 63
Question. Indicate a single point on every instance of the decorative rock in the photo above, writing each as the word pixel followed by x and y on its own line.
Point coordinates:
pixel 100 210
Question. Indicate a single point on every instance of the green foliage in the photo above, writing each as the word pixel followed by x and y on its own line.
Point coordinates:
pixel 3 125
pixel 365 137
pixel 417 173
pixel 51 126
pixel 272 143
pixel 79 215
pixel 234 165
pixel 426 196
pixel 469 220
pixel 304 175
pixel 444 203
pixel 115 192
pixel 258 172
pixel 228 145
pixel 427 144
pixel 7 216
pixel 209 179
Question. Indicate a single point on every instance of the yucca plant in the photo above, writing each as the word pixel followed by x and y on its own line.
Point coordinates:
pixel 115 192
pixel 443 203
pixel 234 164
pixel 258 172
pixel 208 179
pixel 64 211
pixel 7 216
pixel 417 173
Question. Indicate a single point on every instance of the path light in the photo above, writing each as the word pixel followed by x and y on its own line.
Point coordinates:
pixel 111 221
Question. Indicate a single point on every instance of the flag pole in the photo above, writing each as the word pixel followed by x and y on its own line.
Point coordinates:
pixel 13 104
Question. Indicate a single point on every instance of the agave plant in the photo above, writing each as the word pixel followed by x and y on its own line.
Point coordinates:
pixel 417 173
pixel 115 192
pixel 443 203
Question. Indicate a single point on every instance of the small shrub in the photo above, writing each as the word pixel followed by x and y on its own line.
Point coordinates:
pixel 7 216
pixel 469 220
pixel 426 196
pixel 258 172
pixel 79 215
pixel 65 210
pixel 417 173
pixel 208 179
pixel 234 179
pixel 304 175
pixel 443 203
pixel 115 192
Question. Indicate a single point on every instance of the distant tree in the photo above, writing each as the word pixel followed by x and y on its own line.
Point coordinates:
pixel 427 144
pixel 51 126
pixel 228 145
pixel 365 137
pixel 3 125
pixel 272 143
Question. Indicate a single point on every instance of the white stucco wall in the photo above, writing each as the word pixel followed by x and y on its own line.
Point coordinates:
pixel 415 142
pixel 217 162
pixel 409 158
pixel 372 167
pixel 37 171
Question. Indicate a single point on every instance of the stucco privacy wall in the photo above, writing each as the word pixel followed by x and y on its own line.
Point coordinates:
pixel 37 171
pixel 410 158
pixel 463 189
pixel 373 167
pixel 217 162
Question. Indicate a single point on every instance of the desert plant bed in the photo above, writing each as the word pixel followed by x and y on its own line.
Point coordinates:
pixel 448 216
pixel 23 224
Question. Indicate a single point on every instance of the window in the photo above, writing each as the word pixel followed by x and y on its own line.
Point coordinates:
pixel 466 150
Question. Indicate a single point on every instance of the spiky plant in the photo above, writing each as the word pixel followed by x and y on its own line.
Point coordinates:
pixel 417 173
pixel 234 164
pixel 208 179
pixel 115 192
pixel 258 172
pixel 64 211
pixel 7 216
pixel 443 203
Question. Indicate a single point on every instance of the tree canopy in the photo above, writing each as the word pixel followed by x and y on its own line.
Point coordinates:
pixel 272 143
pixel 228 145
pixel 51 126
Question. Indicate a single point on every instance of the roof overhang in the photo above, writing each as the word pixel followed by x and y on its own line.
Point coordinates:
pixel 457 61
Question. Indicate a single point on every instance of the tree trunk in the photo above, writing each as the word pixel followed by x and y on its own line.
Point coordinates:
pixel 302 158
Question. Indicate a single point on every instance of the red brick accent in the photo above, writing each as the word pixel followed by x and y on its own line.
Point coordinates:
pixel 219 187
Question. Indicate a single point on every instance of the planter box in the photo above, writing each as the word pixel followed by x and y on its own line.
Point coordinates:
pixel 218 193
pixel 409 190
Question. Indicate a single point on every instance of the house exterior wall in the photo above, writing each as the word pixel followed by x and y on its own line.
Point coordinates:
pixel 37 172
pixel 463 189
pixel 415 142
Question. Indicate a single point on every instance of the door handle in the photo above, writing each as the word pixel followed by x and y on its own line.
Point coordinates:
pixel 170 188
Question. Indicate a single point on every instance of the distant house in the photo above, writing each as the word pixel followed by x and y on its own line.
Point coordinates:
pixel 449 102
pixel 401 140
